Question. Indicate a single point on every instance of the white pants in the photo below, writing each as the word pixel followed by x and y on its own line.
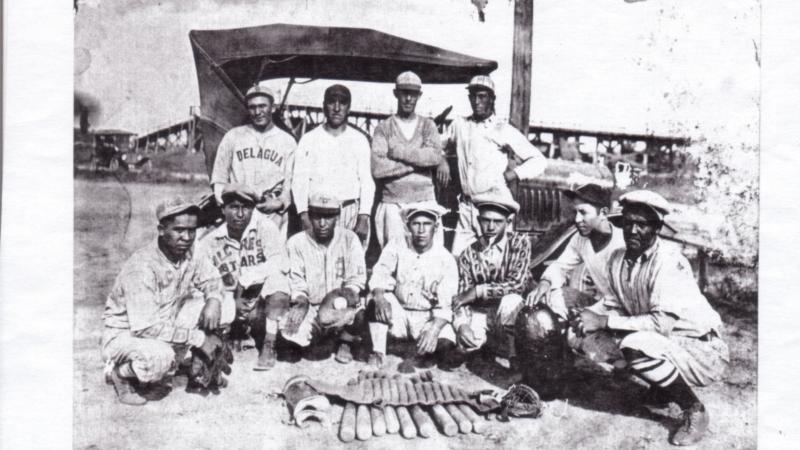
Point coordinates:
pixel 406 324
pixel 497 322
pixel 389 224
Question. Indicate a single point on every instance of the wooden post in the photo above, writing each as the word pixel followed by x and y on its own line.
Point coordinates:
pixel 521 65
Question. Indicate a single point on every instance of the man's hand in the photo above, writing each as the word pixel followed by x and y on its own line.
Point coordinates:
pixel 443 173
pixel 588 321
pixel 209 316
pixel 383 309
pixel 465 298
pixel 270 205
pixel 429 336
pixel 540 295
pixel 362 228
pixel 298 309
pixel 466 338
pixel 510 175
pixel 305 221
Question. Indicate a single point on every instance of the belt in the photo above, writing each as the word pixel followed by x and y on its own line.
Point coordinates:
pixel 348 202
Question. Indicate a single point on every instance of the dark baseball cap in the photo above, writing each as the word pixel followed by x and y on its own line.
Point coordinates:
pixel 592 194
pixel 337 91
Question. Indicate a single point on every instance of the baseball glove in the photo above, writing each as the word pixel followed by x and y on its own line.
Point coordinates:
pixel 329 316
pixel 520 401
pixel 209 362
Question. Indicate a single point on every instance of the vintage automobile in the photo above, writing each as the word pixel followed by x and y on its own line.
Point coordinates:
pixel 113 150
pixel 229 62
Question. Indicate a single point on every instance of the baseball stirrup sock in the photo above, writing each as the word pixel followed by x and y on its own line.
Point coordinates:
pixel 272 326
pixel 659 372
pixel 377 332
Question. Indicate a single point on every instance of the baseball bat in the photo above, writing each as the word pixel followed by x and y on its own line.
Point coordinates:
pixel 464 425
pixel 425 425
pixel 478 424
pixel 446 423
pixel 363 423
pixel 378 422
pixel 347 427
pixel 392 423
pixel 407 428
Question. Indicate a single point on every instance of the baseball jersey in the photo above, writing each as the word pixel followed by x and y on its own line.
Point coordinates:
pixel 481 163
pixel 150 290
pixel 261 160
pixel 337 166
pixel 579 251
pixel 500 268
pixel 259 257
pixel 420 281
pixel 317 269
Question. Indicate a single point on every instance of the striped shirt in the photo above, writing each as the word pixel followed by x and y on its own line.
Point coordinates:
pixel 317 269
pixel 579 251
pixel 657 292
pixel 334 165
pixel 420 281
pixel 481 163
pixel 150 291
pixel 259 257
pixel 497 269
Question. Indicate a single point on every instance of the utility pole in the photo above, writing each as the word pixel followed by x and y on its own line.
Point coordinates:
pixel 519 115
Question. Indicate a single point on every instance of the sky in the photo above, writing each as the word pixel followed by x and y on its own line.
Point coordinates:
pixel 659 66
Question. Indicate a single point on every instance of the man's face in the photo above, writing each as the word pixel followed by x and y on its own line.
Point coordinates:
pixel 482 102
pixel 260 110
pixel 492 222
pixel 336 110
pixel 587 218
pixel 639 229
pixel 177 234
pixel 406 101
pixel 422 228
pixel 237 214
pixel 322 225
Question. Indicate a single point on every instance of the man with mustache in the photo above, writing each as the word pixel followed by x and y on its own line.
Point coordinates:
pixel 334 159
pixel 666 332
pixel 406 149
pixel 494 274
pixel 249 252
pixel 491 154
pixel 413 284
pixel 165 301
pixel 327 275
pixel 259 155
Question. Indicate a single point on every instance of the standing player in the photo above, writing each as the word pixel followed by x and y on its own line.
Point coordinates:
pixel 259 155
pixel 488 150
pixel 164 301
pixel 250 255
pixel 333 160
pixel 406 148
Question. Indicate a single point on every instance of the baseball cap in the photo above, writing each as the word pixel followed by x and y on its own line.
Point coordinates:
pixel 481 82
pixel 429 208
pixel 653 201
pixel 408 81
pixel 257 90
pixel 497 199
pixel 337 90
pixel 239 192
pixel 173 206
pixel 590 193
pixel 324 204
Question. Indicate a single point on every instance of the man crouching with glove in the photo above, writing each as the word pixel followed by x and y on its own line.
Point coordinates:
pixel 327 274
pixel 164 301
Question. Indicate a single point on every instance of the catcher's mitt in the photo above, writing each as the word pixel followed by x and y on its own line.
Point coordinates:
pixel 520 401
pixel 209 363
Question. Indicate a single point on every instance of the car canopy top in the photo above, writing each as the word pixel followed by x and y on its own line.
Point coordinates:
pixel 229 62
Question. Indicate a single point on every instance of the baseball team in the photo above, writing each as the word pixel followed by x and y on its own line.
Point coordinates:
pixel 618 295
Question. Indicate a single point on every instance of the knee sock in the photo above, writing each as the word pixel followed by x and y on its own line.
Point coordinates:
pixel 377 332
pixel 682 393
pixel 125 370
pixel 657 372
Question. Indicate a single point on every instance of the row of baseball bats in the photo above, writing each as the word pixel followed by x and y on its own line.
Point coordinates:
pixel 365 421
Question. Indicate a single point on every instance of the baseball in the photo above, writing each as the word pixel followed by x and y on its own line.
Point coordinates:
pixel 339 303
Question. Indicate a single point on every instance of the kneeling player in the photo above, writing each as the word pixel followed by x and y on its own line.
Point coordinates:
pixel 327 275
pixel 412 285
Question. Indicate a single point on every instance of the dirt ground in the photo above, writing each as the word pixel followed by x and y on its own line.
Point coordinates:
pixel 113 219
